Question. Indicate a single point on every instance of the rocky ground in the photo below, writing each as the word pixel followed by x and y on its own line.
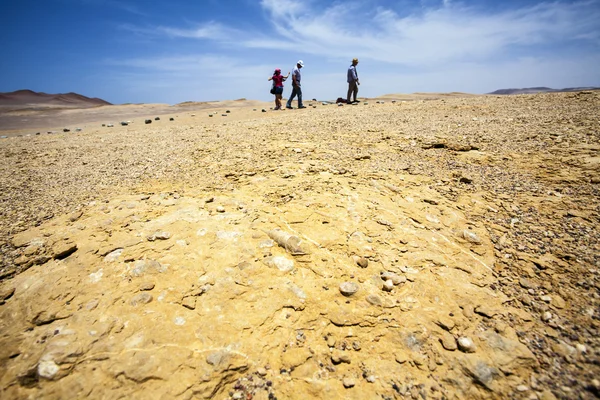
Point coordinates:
pixel 425 249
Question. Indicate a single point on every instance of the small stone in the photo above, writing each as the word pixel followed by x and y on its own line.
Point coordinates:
pixel 148 121
pixel 146 286
pixel 401 358
pixel 471 237
pixel 581 348
pixel 374 300
pixel 159 236
pixel 331 341
pixel 141 298
pixel 466 345
pixel 261 371
pixel 157 119
pixel 371 378
pixel 546 298
pixel 525 283
pixel 189 302
pixel 388 285
pixel 361 261
pixel 348 382
pixel 522 388
pixel 485 311
pixel 6 293
pixel 47 369
pixel 395 278
pixel 220 209
pixel 547 316
pixel 448 342
pixel 171 119
pixel 348 288
pixel 446 323
pixel 558 302
pixel 21 260
pixel 338 357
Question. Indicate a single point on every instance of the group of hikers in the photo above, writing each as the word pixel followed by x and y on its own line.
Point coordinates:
pixel 278 79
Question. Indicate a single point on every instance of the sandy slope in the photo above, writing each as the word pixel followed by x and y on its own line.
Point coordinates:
pixel 147 260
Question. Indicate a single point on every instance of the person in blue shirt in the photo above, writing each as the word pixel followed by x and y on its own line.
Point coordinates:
pixel 352 81
pixel 296 88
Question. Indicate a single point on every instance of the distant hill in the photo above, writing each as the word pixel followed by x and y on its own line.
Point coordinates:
pixel 29 97
pixel 541 90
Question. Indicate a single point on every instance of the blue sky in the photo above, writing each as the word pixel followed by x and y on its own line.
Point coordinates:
pixel 198 50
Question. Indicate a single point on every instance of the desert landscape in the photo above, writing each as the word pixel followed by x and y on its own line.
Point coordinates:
pixel 423 246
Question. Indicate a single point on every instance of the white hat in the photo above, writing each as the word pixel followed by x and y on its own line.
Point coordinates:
pixel 301 63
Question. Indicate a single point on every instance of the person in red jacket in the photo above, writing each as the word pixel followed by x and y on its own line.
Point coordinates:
pixel 277 90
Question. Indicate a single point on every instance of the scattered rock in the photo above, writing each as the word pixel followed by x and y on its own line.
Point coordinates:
pixel 148 121
pixel 160 235
pixel 347 381
pixel 348 288
pixel 63 250
pixel 388 285
pixel 141 298
pixel 448 342
pixel 466 345
pixel 146 286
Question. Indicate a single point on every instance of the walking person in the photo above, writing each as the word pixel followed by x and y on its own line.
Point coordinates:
pixel 278 80
pixel 296 88
pixel 352 81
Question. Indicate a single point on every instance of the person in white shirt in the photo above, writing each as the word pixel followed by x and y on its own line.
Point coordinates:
pixel 296 88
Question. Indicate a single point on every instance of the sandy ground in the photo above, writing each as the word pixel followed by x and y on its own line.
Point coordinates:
pixel 423 246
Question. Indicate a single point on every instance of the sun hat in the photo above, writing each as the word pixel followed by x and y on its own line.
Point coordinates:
pixel 301 63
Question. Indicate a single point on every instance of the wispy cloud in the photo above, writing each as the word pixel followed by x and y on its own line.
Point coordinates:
pixel 121 5
pixel 435 46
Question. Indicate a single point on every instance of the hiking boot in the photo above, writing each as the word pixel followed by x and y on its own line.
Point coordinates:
pixel 301 107
pixel 290 107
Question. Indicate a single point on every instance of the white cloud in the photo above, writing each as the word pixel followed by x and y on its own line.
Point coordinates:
pixel 447 47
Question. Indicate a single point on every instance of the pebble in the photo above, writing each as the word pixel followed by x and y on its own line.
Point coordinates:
pixel 395 278
pixel 349 382
pixel 331 341
pixel 546 298
pixel 141 298
pixel 148 121
pixel 446 323
pixel 466 345
pixel 448 342
pixel 371 378
pixel 348 288
pixel 471 237
pixel 522 388
pixel 547 316
pixel 339 357
pixel 47 369
pixel 374 300
pixel 388 285
pixel 220 209
pixel 261 371
pixel 146 286
pixel 361 261
pixel 525 284
pixel 400 358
